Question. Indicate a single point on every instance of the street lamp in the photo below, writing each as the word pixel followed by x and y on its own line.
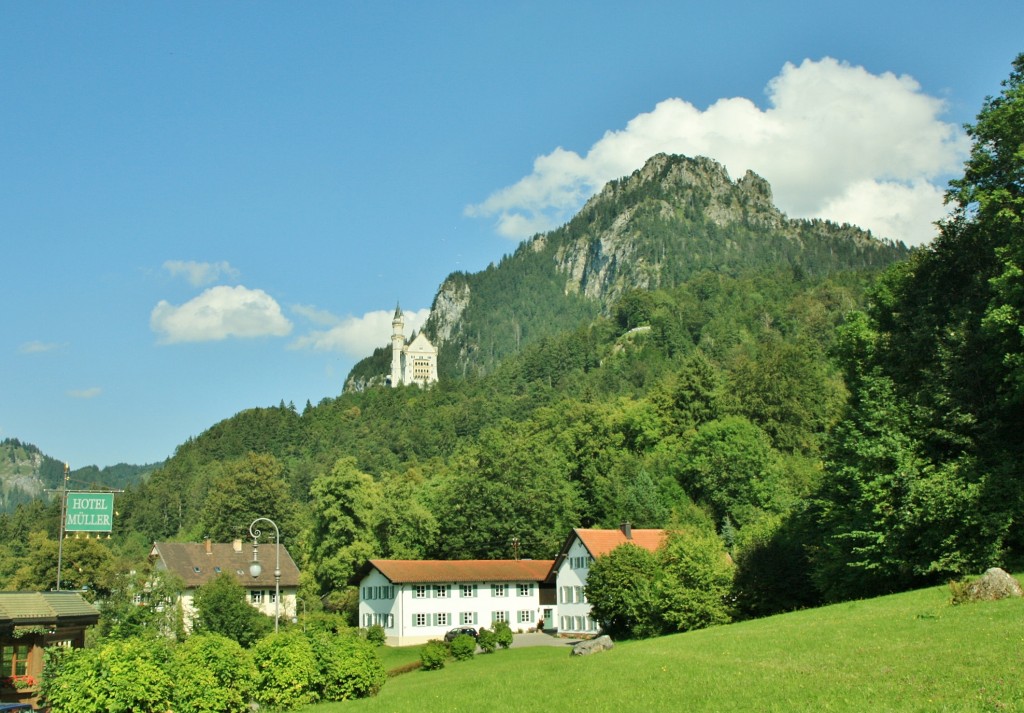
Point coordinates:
pixel 255 569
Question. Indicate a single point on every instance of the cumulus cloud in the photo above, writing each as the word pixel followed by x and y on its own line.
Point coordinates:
pixel 36 347
pixel 835 142
pixel 199 274
pixel 356 336
pixel 89 393
pixel 218 313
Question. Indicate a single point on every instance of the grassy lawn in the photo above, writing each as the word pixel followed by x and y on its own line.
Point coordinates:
pixel 907 652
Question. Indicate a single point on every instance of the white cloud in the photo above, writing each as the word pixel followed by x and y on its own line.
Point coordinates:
pixel 199 274
pixel 89 393
pixel 36 347
pixel 836 142
pixel 358 336
pixel 218 313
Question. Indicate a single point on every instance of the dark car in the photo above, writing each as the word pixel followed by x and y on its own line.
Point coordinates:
pixel 458 631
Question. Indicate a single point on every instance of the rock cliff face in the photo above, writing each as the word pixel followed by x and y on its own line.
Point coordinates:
pixel 449 304
pixel 669 221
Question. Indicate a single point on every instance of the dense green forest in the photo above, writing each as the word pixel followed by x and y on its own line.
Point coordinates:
pixel 843 432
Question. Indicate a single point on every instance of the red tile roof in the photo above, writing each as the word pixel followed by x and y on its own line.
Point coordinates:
pixel 436 571
pixel 601 542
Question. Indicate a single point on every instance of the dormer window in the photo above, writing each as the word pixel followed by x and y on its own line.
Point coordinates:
pixel 197 570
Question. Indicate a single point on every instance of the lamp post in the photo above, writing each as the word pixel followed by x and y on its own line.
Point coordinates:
pixel 255 569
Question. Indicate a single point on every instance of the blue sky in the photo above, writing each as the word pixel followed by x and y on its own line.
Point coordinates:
pixel 209 206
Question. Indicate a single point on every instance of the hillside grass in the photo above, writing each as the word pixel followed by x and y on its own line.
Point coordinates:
pixel 906 652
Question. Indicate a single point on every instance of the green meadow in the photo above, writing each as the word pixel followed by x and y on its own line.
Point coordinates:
pixel 906 652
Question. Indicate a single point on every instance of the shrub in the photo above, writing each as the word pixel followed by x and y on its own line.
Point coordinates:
pixel 287 675
pixel 119 677
pixel 375 635
pixel 488 641
pixel 404 668
pixel 349 666
pixel 503 634
pixel 463 647
pixel 213 674
pixel 434 655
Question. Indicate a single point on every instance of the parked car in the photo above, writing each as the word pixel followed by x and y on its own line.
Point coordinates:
pixel 458 631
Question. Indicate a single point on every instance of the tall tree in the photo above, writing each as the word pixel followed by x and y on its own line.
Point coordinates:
pixel 924 479
pixel 346 504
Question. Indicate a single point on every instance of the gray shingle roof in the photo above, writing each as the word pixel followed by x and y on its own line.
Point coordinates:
pixel 196 565
pixel 46 608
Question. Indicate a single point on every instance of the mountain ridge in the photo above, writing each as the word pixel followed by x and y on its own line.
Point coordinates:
pixel 662 225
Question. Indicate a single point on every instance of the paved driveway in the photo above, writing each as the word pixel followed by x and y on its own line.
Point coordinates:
pixel 534 639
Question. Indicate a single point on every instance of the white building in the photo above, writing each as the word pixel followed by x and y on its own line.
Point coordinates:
pixel 571 567
pixel 419 600
pixel 197 563
pixel 412 363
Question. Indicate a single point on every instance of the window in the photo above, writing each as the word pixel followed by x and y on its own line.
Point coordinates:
pixel 498 590
pixel 524 616
pixel 256 596
pixel 577 595
pixel 468 590
pixel 582 562
pixel 272 597
pixel 564 595
pixel 467 617
pixel 442 619
pixel 419 619
pixel 441 591
pixel 497 616
pixel 525 590
pixel 565 623
pixel 420 591
pixel 15 660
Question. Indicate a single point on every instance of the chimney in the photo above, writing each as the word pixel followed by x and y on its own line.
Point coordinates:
pixel 236 544
pixel 627 530
pixel 209 546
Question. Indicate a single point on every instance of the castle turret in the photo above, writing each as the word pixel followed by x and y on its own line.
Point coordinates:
pixel 397 345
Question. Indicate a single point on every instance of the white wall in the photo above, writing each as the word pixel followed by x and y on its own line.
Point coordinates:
pixel 418 613
pixel 573 609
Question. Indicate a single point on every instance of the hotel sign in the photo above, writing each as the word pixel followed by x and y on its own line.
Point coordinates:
pixel 89 512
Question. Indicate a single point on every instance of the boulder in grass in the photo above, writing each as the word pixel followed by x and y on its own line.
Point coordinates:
pixel 996 583
pixel 592 646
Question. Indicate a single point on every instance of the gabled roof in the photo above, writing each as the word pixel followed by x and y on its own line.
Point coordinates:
pixel 601 542
pixel 53 608
pixel 456 571
pixel 420 343
pixel 196 563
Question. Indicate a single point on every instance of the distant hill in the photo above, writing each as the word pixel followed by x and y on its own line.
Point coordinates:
pixel 26 473
pixel 662 226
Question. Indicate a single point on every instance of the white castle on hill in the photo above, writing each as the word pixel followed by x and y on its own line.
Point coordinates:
pixel 412 363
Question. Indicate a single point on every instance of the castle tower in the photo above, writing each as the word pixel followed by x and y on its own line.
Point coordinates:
pixel 412 363
pixel 397 345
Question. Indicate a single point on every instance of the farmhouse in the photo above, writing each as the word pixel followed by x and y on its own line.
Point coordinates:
pixel 419 600
pixel 30 622
pixel 572 565
pixel 197 563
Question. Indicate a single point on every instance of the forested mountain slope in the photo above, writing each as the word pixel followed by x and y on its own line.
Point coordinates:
pixel 656 229
pixel 26 473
